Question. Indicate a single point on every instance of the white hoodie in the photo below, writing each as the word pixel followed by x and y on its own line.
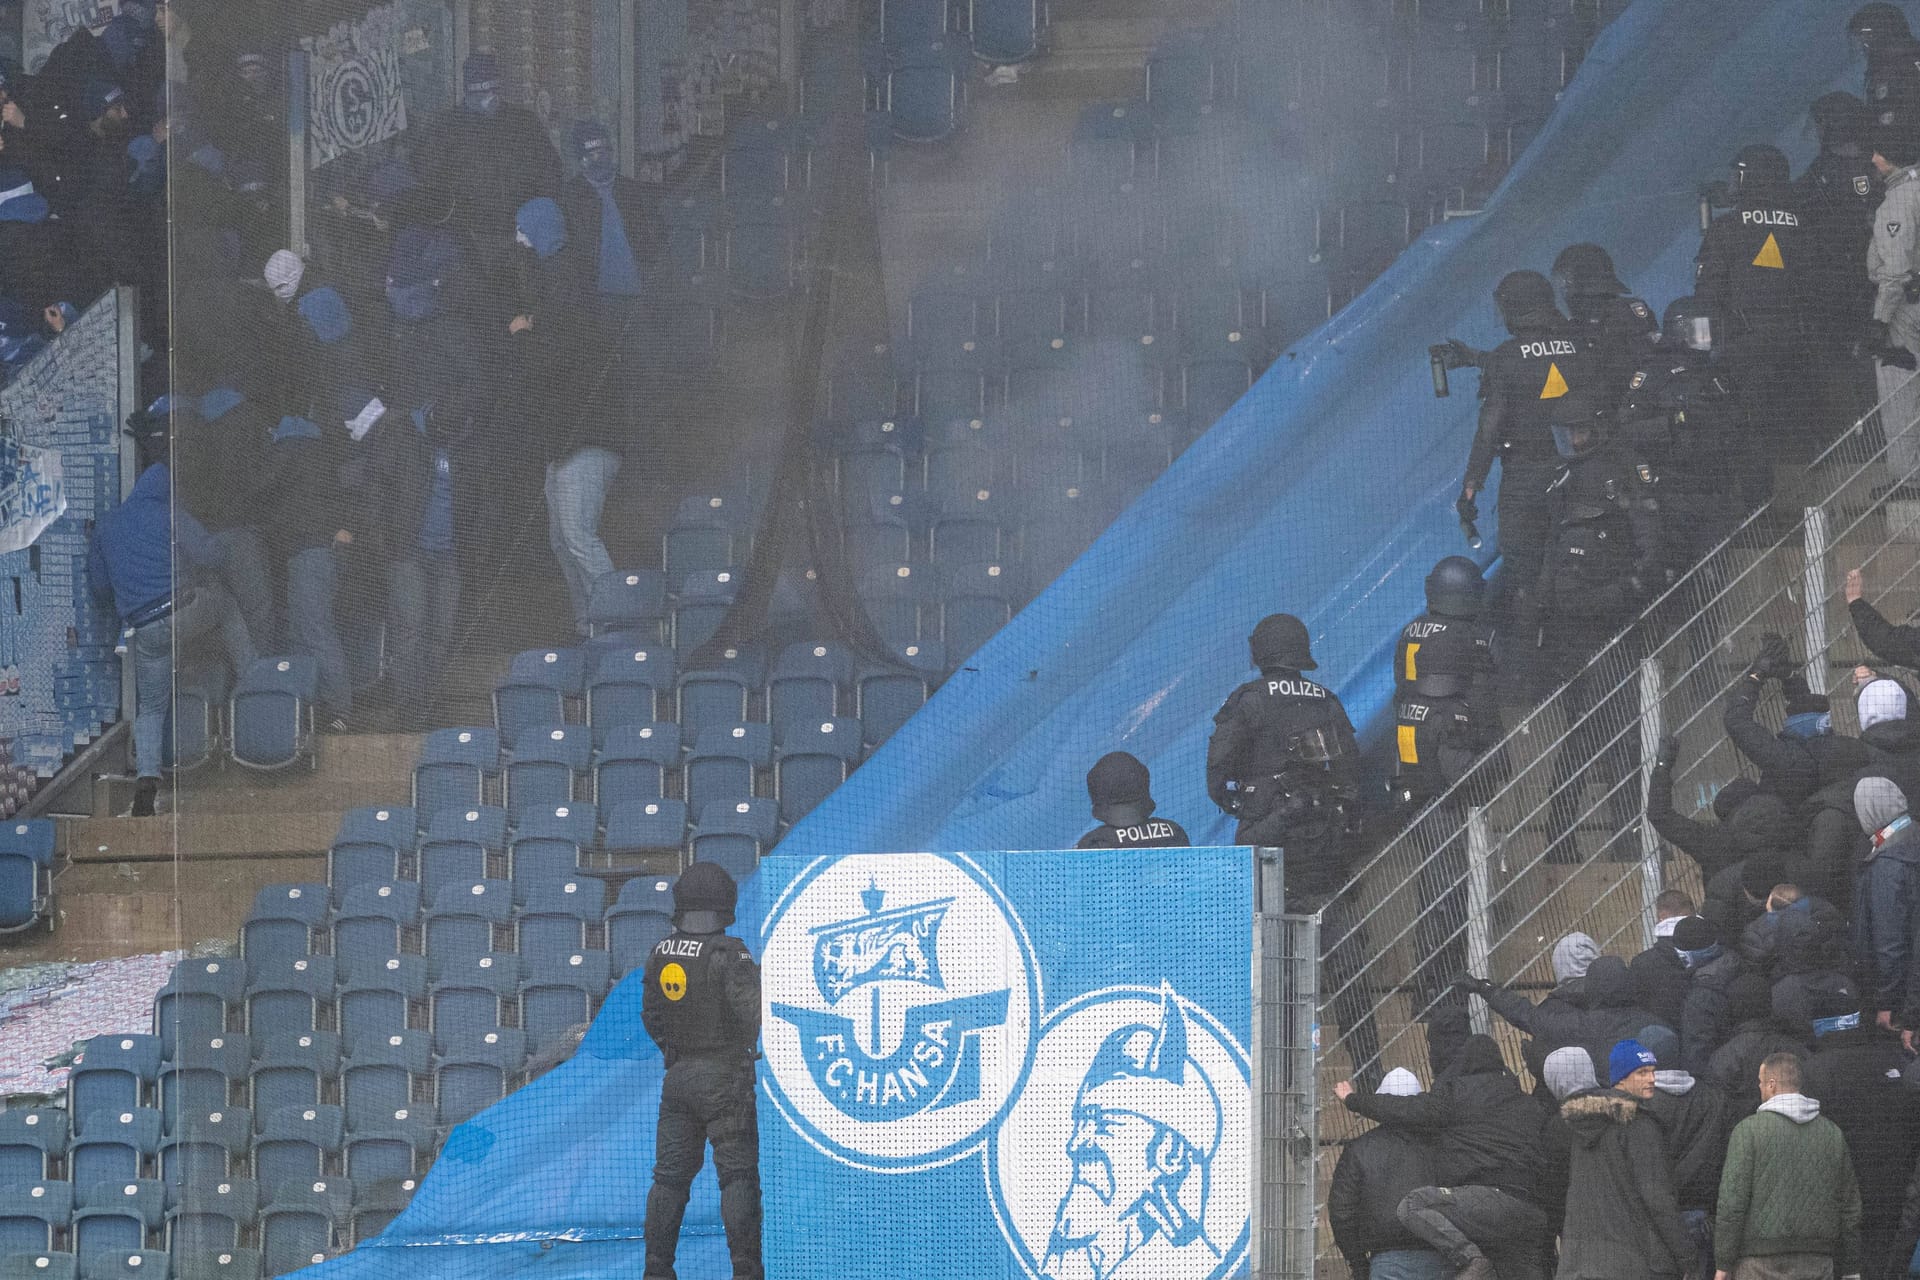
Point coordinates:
pixel 1797 1107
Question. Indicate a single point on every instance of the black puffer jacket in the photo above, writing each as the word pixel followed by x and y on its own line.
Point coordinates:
pixel 1893 751
pixel 1663 980
pixel 1856 1076
pixel 1374 1174
pixel 1887 641
pixel 1694 1122
pixel 1612 1013
pixel 1755 1033
pixel 1623 1218
pixel 1835 844
pixel 1792 768
pixel 1485 1130
pixel 1810 936
pixel 1708 1019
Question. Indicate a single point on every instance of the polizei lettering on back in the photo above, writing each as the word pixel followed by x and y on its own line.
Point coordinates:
pixel 1557 347
pixel 1295 689
pixel 689 947
pixel 1422 630
pixel 1141 832
pixel 1769 218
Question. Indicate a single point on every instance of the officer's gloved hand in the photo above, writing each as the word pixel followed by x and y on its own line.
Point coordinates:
pixel 1462 356
pixel 1669 753
pixel 1466 508
pixel 1467 984
pixel 1772 660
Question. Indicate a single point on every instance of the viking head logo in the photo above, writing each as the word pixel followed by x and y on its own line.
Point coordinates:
pixel 1146 1125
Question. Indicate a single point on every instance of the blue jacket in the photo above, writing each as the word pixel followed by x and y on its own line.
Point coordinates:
pixel 132 551
pixel 1885 919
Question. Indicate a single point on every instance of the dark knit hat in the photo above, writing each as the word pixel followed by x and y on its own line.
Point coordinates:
pixel 1694 934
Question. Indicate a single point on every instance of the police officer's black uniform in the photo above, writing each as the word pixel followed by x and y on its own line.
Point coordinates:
pixel 1121 791
pixel 702 1007
pixel 1757 274
pixel 1837 194
pixel 1623 327
pixel 1524 388
pixel 1892 81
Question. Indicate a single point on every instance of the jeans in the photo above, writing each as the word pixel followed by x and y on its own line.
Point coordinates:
pixel 706 1100
pixel 244 574
pixel 576 491
pixel 1407 1264
pixel 1699 1223
pixel 423 598
pixel 1900 393
pixel 198 611
pixel 312 579
pixel 1466 1223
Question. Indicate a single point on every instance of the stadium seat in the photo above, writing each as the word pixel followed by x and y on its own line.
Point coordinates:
pixel 131 1264
pixel 378 1078
pixel 1105 141
pixel 1183 80
pixel 559 993
pixel 870 456
pixel 535 690
pixel 292 1070
pixel 460 924
pixel 272 713
pixel 454 770
pixel 861 383
pixel 726 762
pixel 393 1149
pixel 298 1225
pixel 111 1073
pixel 628 600
pixel 943 395
pixel 806 683
pixel 721 692
pixel 117 1146
pixel 470 995
pixel 762 252
pixel 32 1139
pixel 548 768
pixel 209 1217
pixel 26 892
pixel 923 96
pixel 282 923
pixel 699 607
pixel 1058 453
pixel 969 528
pixel 286 995
pixel 893 596
pixel 885 536
pixel 887 695
pixel 944 326
pixel 201 1075
pixel 217 1264
pixel 374 923
pixel 640 825
pixel 376 1207
pixel 297 1143
pixel 547 844
pixel 33 838
pixel 708 533
pixel 636 763
pixel 30 1213
pixel 194 1003
pixel 812 759
pixel 206 1146
pixel 629 686
pixel 979 600
pixel 1123 301
pixel 39 1264
pixel 1211 387
pixel 735 833
pixel 476 1073
pixel 908 25
pixel 640 918
pixel 369 848
pixel 562 669
pixel 376 996
pixel 555 917
pixel 1134 453
pixel 765 160
pixel 111 1221
pixel 1005 31
pixel 964 454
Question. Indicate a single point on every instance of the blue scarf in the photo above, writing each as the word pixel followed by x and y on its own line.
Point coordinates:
pixel 619 271
pixel 1703 956
pixel 1827 1026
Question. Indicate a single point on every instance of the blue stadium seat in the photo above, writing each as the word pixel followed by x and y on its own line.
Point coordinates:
pixel 113 1146
pixel 111 1073
pixel 628 600
pixel 549 767
pixel 640 918
pixel 217 1264
pixel 194 1003
pixel 968 528
pixel 1183 80
pixel 1134 453
pixel 29 837
pixel 299 1224
pixel 725 763
pixel 39 1264
pixel 735 833
pixel 378 1079
pixel 885 536
pixel 282 922
pixel 375 998
pixel 272 713
pixel 888 695
pixel 941 395
pixel 1454 154
pixel 701 605
pixel 560 992
pixel 30 1213
pixel 813 758
pixel 201 1075
pixel 111 1222
pixel 375 1207
pixel 870 456
pixel 1059 453
pixel 909 25
pixel 1123 300
pixel 1211 387
pixel 209 1217
pixel 521 708
pixel 292 1070
pixel 861 383
pixel 373 923
pixel 547 845
pixel 470 995
pixel 26 878
pixel 562 669
pixel 708 533
pixel 484 825
pixel 1061 523
pixel 454 770
pixel 944 326
pixel 762 251
pixel 720 692
pixel 555 918
pixel 460 922
pixel 297 1143
pixel 806 684
pixel 629 686
pixel 979 600
pixel 1005 31
pixel 31 1140
pixel 965 454
pixel 646 825
pixel 285 995
pixel 478 1072
pixel 206 1146
pixel 1026 315
pixel 1106 139
pixel 691 247
pixel 894 597
pixel 393 1149
pixel 636 763
pixel 765 160
pixel 369 848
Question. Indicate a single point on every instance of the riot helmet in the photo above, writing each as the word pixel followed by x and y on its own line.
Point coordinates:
pixel 1759 170
pixel 1456 588
pixel 1842 120
pixel 1687 323
pixel 1877 24
pixel 1585 270
pixel 1120 789
pixel 704 898
pixel 1579 431
pixel 1280 640
pixel 1524 295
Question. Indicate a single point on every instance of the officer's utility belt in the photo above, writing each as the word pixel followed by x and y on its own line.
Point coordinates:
pixel 148 614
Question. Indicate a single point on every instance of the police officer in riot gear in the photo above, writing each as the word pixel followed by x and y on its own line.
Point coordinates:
pixel 1121 790
pixel 1623 327
pixel 1757 275
pixel 1524 384
pixel 1683 417
pixel 1837 194
pixel 702 1007
pixel 1892 81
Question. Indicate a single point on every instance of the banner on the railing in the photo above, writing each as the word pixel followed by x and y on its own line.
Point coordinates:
pixel 46 24
pixel 354 90
pixel 33 493
pixel 1011 1064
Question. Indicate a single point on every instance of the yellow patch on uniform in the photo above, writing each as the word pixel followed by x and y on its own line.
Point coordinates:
pixel 1409 745
pixel 1556 384
pixel 1769 255
pixel 673 982
pixel 1413 670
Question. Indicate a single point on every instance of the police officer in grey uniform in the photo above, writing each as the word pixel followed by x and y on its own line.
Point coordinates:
pixel 1121 790
pixel 1893 338
pixel 1624 327
pixel 701 1005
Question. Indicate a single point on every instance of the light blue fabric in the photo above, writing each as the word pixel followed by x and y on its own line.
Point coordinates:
pixel 619 271
pixel 540 222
